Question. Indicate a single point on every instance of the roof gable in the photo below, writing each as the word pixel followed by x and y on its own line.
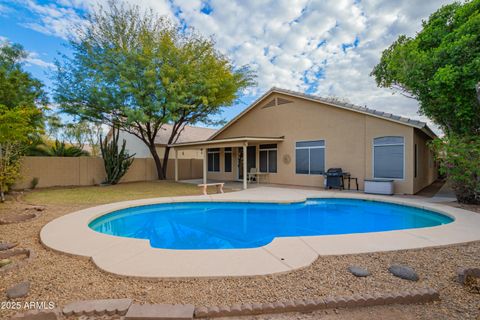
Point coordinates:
pixel 330 102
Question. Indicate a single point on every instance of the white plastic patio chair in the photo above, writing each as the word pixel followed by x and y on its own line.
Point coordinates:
pixel 252 174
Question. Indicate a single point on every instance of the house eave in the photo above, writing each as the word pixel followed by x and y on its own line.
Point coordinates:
pixel 235 141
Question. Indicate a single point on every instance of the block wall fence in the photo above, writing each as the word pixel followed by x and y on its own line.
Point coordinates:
pixel 87 171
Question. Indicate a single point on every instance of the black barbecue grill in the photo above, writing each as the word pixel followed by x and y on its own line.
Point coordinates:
pixel 334 178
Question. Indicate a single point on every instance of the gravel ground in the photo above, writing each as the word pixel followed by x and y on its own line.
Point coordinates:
pixel 61 278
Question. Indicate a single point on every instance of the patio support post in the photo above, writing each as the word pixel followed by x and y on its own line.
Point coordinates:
pixel 244 166
pixel 205 159
pixel 176 165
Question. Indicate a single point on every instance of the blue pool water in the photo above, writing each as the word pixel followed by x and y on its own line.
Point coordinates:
pixel 214 225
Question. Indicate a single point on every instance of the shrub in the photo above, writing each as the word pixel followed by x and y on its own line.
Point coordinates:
pixel 459 159
pixel 34 183
pixel 57 149
pixel 60 149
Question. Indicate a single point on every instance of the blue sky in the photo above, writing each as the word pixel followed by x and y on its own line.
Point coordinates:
pixel 322 47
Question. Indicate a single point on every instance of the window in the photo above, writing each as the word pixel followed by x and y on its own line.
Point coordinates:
pixel 228 159
pixel 388 157
pixel 268 158
pixel 214 160
pixel 310 157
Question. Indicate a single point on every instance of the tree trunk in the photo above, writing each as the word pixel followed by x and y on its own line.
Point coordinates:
pixel 165 160
pixel 158 163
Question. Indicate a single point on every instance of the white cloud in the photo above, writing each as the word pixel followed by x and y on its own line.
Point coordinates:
pixel 33 58
pixel 53 19
pixel 327 47
pixel 62 18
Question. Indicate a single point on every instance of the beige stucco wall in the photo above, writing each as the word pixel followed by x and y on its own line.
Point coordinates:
pixel 348 139
pixel 85 171
pixel 427 171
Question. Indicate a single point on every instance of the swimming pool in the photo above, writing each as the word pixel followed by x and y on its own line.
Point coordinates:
pixel 218 225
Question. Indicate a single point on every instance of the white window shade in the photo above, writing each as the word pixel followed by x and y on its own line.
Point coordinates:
pixel 388 158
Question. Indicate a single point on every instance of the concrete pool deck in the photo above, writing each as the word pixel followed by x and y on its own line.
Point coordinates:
pixel 70 234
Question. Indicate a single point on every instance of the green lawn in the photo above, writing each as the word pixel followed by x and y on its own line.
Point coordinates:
pixel 97 195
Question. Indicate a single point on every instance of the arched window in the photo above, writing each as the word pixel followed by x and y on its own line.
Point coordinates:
pixel 388 157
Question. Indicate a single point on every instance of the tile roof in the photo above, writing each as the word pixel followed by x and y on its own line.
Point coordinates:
pixel 188 134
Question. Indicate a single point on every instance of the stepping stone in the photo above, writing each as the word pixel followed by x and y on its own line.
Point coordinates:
pixel 403 272
pixel 160 312
pixel 18 291
pixel 359 271
pixel 5 246
pixel 98 307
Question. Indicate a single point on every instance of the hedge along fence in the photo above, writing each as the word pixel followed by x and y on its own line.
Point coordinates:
pixel 87 171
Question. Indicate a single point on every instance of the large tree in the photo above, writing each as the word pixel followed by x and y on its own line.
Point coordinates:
pixel 21 102
pixel 18 89
pixel 137 71
pixel 83 134
pixel 440 67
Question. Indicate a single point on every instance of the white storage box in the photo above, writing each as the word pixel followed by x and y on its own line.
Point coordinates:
pixel 379 186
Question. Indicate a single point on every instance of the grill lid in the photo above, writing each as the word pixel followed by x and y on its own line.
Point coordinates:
pixel 334 172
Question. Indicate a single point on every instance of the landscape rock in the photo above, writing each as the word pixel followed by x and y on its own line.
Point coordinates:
pixel 19 290
pixel 403 272
pixel 4 262
pixel 5 246
pixel 464 273
pixel 358 271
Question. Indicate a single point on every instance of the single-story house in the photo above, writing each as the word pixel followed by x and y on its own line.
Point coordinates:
pixel 293 138
pixel 188 134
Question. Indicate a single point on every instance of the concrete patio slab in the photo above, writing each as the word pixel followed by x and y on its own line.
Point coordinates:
pixel 135 257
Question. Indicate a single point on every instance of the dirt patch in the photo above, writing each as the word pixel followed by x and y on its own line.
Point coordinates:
pixel 9 218
pixel 18 211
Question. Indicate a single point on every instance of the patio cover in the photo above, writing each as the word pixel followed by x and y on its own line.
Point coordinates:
pixel 221 143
